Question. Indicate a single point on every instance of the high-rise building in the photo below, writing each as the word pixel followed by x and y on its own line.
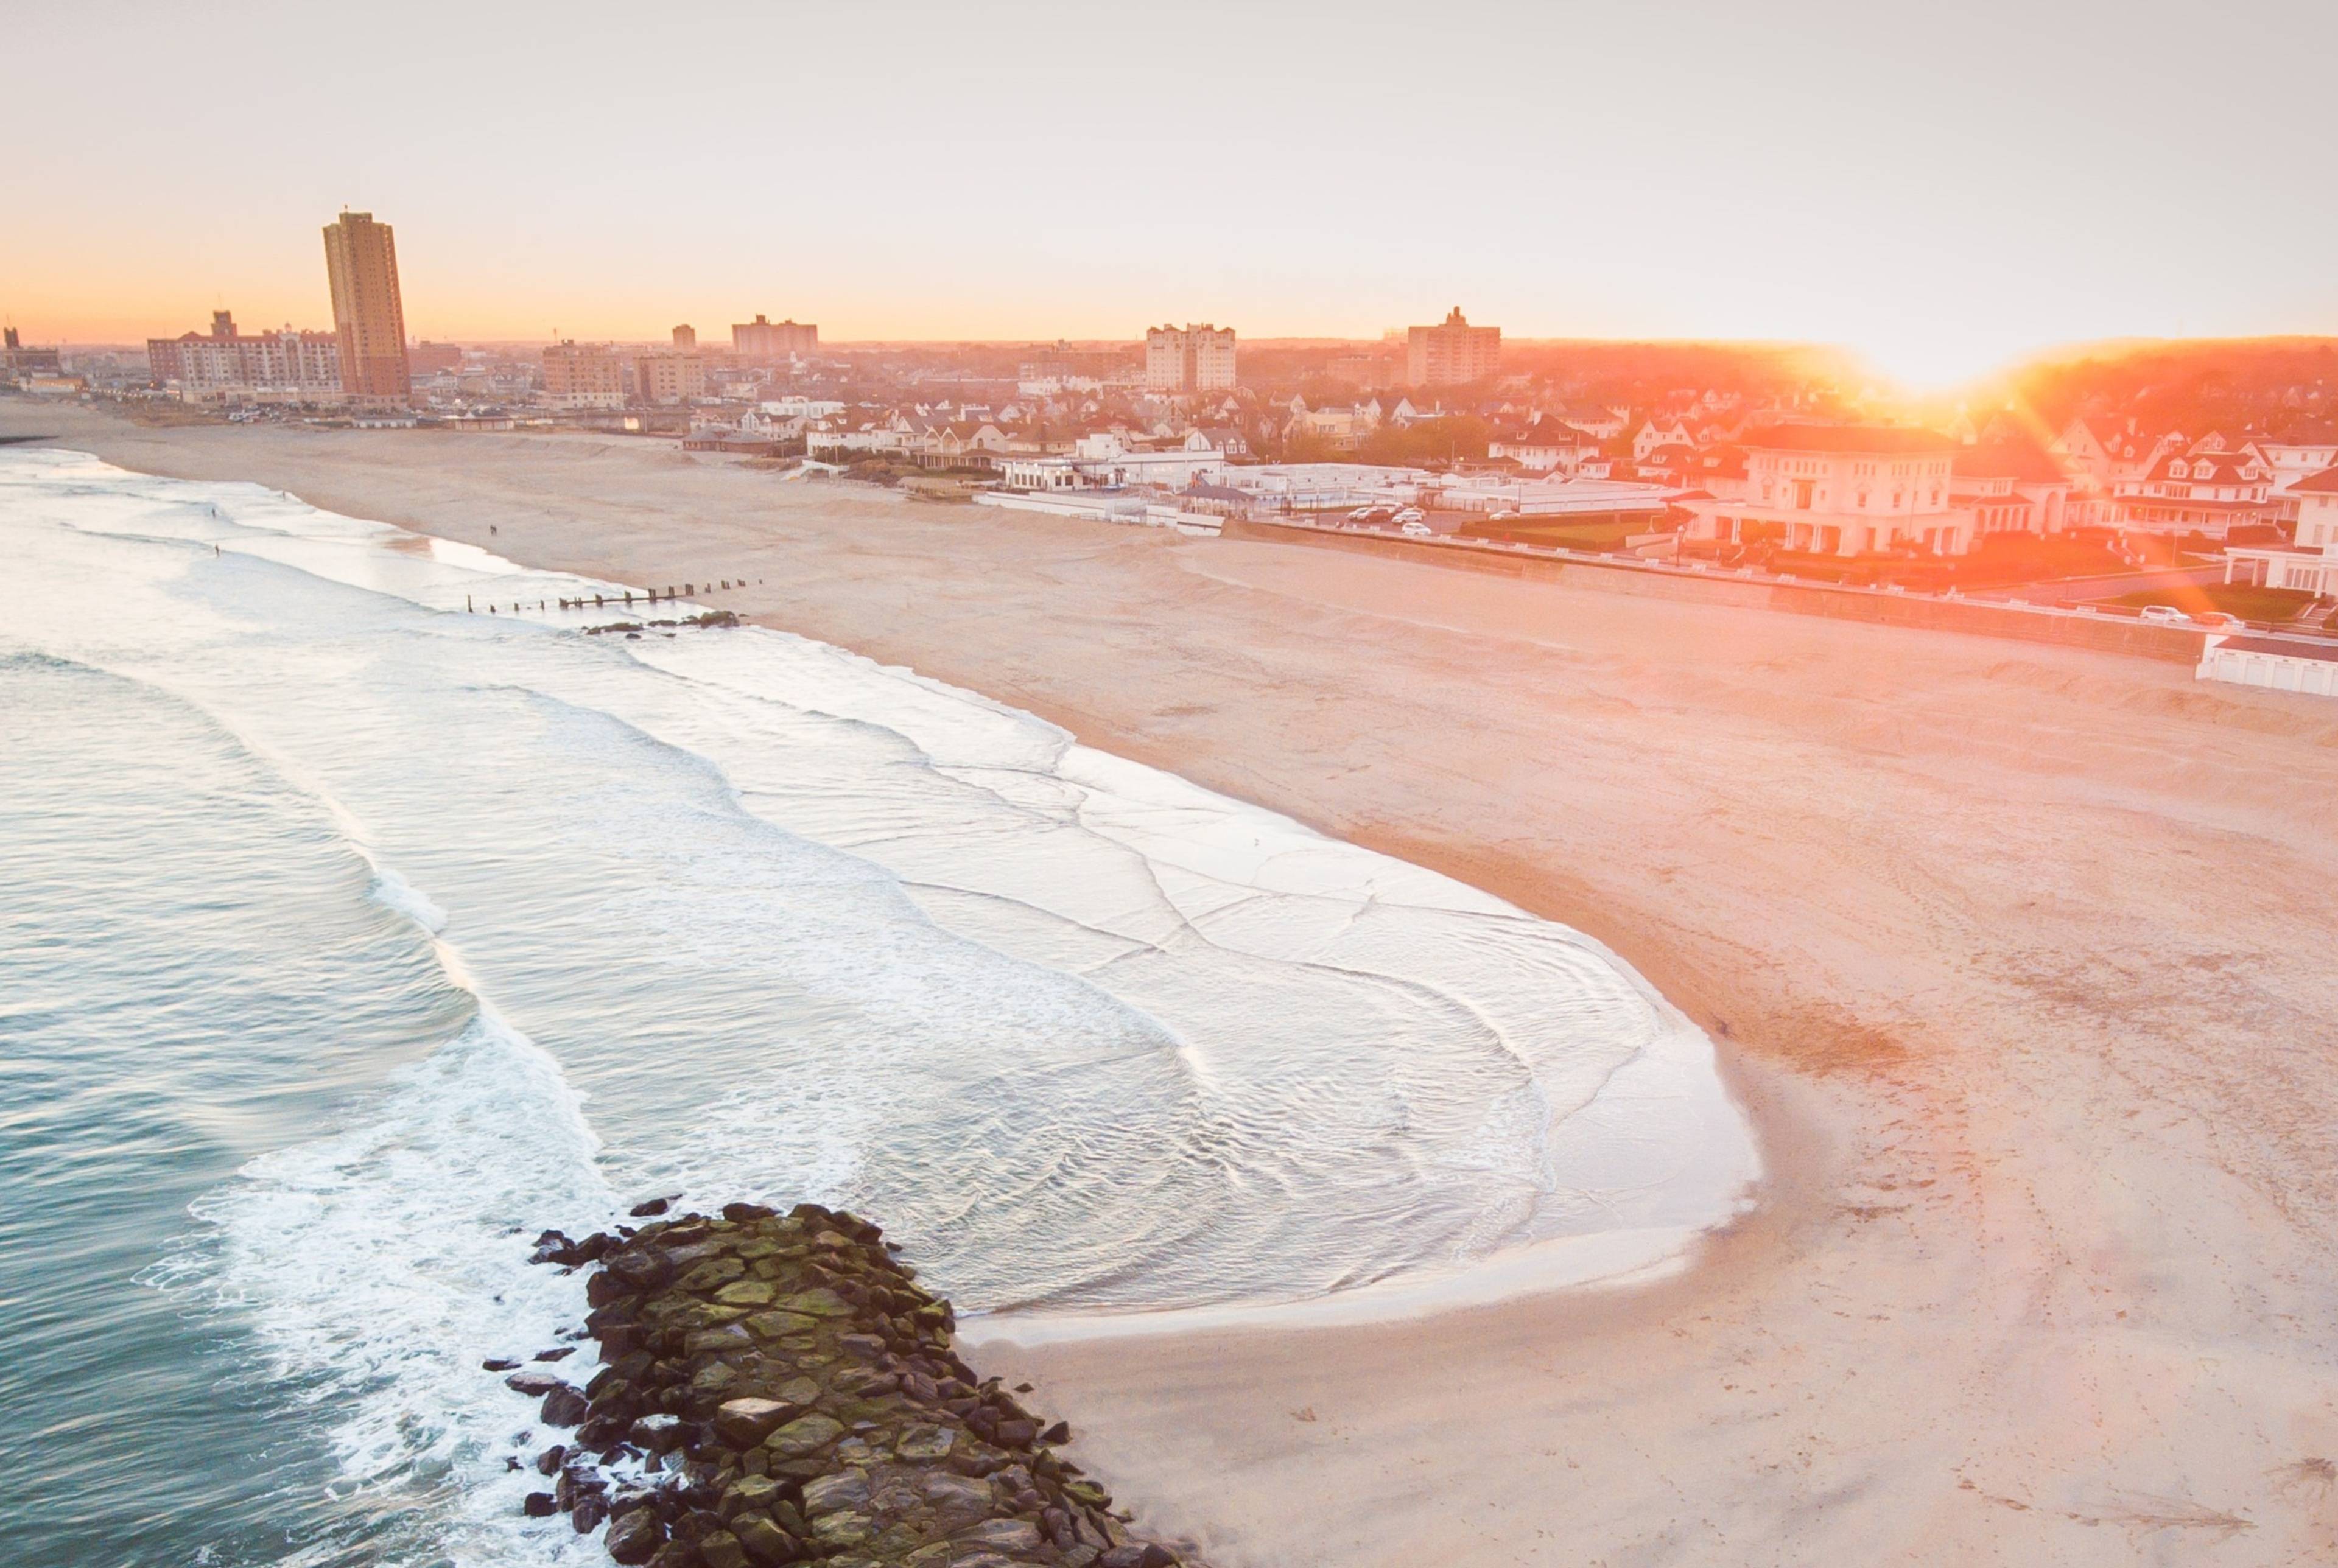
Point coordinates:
pixel 685 338
pixel 361 261
pixel 1196 359
pixel 1452 354
pixel 766 339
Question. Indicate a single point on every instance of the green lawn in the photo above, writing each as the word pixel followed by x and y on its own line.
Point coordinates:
pixel 2234 599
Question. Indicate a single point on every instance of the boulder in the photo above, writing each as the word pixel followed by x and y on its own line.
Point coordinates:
pixel 746 1293
pixel 1017 1536
pixel 754 1493
pixel 820 1303
pixel 1133 1555
pixel 534 1385
pixel 774 1325
pixel 539 1506
pixel 657 1434
pixel 764 1542
pixel 564 1407
pixel 846 1490
pixel 925 1442
pixel 804 1436
pixel 743 1422
pixel 635 1537
pixel 722 1550
pixel 639 1267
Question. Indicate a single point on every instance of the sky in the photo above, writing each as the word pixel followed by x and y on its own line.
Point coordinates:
pixel 1939 188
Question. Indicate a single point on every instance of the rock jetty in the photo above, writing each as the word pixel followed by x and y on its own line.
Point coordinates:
pixel 778 1389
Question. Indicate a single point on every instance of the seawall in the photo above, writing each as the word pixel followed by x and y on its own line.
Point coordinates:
pixel 2110 634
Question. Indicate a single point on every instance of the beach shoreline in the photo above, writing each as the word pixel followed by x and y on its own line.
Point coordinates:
pixel 2041 1267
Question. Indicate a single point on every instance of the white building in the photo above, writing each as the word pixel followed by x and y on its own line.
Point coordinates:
pixel 1103 462
pixel 2276 663
pixel 1326 486
pixel 1550 497
pixel 1548 445
pixel 1841 490
pixel 2197 491
pixel 1655 433
pixel 1189 359
pixel 2309 562
pixel 2298 456
pixel 2011 486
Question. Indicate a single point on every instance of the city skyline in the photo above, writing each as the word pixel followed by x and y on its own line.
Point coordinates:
pixel 1938 199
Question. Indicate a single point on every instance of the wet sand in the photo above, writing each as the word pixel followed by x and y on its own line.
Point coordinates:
pixel 2024 958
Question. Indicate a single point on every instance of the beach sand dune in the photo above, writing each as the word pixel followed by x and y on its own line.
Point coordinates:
pixel 2025 959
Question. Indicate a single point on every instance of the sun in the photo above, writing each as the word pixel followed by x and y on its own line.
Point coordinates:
pixel 1930 358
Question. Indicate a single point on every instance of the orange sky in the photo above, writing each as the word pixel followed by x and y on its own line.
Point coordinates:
pixel 1938 191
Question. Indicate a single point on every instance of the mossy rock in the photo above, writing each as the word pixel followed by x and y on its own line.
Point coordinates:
pixel 804 1436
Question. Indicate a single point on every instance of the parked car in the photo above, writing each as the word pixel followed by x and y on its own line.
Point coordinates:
pixel 2166 615
pixel 2217 620
pixel 1419 529
pixel 1371 516
pixel 1411 515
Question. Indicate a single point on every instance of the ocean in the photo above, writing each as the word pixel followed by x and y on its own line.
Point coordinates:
pixel 352 937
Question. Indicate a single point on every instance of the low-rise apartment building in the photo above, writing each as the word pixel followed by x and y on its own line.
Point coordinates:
pixel 668 378
pixel 582 375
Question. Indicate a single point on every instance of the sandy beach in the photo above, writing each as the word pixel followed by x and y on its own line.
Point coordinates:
pixel 2020 957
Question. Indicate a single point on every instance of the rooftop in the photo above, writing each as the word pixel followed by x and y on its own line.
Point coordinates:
pixel 1874 438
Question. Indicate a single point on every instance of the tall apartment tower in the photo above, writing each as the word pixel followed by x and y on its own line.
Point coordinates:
pixel 1196 359
pixel 1452 353
pixel 361 260
pixel 685 338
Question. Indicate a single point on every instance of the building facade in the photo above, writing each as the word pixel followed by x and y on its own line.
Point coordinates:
pixel 685 338
pixel 2196 493
pixel 763 339
pixel 368 318
pixel 1841 490
pixel 15 359
pixel 1452 354
pixel 669 377
pixel 227 366
pixel 2308 564
pixel 1189 359
pixel 582 375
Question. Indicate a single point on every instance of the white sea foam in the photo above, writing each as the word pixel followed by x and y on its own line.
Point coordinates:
pixel 395 892
pixel 377 1266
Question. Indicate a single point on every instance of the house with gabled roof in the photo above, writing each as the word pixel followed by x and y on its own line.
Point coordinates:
pixel 2194 492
